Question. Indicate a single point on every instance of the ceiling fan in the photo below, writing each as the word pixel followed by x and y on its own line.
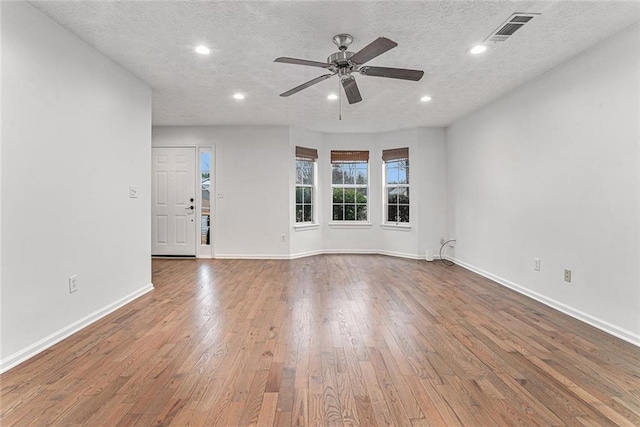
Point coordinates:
pixel 344 63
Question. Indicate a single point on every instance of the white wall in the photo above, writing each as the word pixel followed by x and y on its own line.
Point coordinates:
pixel 427 193
pixel 307 240
pixel 76 135
pixel 433 203
pixel 357 239
pixel 251 169
pixel 551 171
pixel 254 168
pixel 1 134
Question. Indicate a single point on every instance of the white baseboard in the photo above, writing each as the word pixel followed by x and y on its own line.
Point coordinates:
pixel 355 252
pixel 402 255
pixel 251 256
pixel 54 338
pixel 322 252
pixel 587 318
pixel 350 251
pixel 306 254
pixel 296 255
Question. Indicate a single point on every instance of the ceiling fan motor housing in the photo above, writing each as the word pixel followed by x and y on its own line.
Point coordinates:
pixel 340 59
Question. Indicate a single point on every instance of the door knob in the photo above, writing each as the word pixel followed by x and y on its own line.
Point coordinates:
pixel 189 208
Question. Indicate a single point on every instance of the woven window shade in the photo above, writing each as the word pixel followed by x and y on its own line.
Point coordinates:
pixel 338 156
pixel 306 153
pixel 395 154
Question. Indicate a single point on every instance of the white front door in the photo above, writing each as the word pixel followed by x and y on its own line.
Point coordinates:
pixel 173 202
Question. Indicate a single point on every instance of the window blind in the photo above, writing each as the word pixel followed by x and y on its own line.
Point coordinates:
pixel 349 156
pixel 395 154
pixel 306 153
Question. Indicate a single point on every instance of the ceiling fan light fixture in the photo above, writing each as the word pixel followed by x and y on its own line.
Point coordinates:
pixel 202 50
pixel 332 96
pixel 238 96
pixel 425 98
pixel 477 49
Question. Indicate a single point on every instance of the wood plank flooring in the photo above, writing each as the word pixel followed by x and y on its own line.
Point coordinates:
pixel 336 340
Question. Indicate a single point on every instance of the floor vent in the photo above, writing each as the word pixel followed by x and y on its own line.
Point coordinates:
pixel 510 26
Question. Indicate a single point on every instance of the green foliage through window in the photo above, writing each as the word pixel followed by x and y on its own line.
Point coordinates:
pixel 350 191
pixel 304 190
pixel 397 190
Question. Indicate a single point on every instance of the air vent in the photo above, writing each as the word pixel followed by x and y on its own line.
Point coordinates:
pixel 510 26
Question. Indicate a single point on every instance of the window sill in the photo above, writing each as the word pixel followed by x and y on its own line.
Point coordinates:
pixel 396 227
pixel 306 226
pixel 350 224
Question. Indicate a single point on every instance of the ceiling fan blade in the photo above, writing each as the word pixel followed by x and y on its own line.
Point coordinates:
pixel 296 61
pixel 373 49
pixel 351 89
pixel 306 85
pixel 392 73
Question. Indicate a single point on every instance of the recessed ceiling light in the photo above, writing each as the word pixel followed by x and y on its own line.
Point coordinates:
pixel 425 98
pixel 202 50
pixel 238 96
pixel 477 49
pixel 332 96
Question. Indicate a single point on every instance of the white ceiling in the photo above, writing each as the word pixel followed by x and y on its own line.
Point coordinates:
pixel 155 41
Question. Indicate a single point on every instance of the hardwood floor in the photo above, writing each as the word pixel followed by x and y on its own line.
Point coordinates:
pixel 328 340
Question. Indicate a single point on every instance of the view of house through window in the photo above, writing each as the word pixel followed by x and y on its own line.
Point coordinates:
pixel 396 172
pixel 205 185
pixel 350 185
pixel 305 184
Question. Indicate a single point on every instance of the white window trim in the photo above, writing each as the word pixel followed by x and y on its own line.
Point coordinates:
pixel 391 225
pixel 303 226
pixel 350 224
pixel 362 223
pixel 400 226
pixel 314 198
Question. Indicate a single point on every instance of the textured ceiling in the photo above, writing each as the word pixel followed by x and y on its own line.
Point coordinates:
pixel 155 41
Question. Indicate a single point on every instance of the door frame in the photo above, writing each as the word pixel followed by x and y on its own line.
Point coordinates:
pixel 202 251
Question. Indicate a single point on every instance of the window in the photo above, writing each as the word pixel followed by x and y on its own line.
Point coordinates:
pixel 305 184
pixel 350 185
pixel 396 175
pixel 205 188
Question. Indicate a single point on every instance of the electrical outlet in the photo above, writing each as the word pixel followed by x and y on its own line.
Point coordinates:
pixel 73 283
pixel 442 240
pixel 283 238
pixel 452 242
pixel 536 264
pixel 567 275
